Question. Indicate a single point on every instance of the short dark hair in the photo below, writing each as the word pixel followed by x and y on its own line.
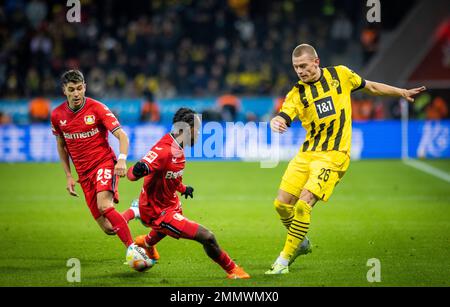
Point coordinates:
pixel 184 115
pixel 72 75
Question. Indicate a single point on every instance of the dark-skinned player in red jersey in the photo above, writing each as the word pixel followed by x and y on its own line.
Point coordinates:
pixel 81 126
pixel 159 205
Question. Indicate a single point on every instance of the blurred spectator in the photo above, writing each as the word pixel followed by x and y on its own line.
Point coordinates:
pixel 188 47
pixel 39 110
pixel 369 42
pixel 4 118
pixel 437 109
pixel 229 106
pixel 341 33
pixel 36 12
pixel 278 103
pixel 420 104
pixel 362 109
pixel 150 109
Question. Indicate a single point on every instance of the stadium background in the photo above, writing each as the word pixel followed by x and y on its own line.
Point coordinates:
pixel 142 54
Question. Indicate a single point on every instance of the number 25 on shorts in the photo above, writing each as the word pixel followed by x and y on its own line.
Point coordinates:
pixel 104 174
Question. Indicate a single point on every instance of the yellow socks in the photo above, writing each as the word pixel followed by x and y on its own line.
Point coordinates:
pixel 298 228
pixel 286 212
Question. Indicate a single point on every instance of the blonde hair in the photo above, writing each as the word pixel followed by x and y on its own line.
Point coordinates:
pixel 304 49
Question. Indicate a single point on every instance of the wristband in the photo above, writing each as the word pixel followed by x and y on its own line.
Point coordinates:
pixel 122 157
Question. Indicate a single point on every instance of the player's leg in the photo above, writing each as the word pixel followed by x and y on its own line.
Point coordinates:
pixel 90 194
pixel 177 226
pixel 326 169
pixel 118 223
pixel 149 241
pixel 212 249
pixel 297 230
pixel 284 205
pixel 291 185
pixel 299 227
pixel 105 225
pixel 132 212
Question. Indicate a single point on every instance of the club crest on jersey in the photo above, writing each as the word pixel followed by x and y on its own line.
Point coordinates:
pixel 63 122
pixel 89 119
pixel 335 83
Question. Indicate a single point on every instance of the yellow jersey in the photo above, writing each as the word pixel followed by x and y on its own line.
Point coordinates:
pixel 324 108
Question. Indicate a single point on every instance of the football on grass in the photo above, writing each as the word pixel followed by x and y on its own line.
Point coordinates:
pixel 137 259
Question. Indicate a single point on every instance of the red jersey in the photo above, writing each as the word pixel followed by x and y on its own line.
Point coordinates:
pixel 166 162
pixel 86 133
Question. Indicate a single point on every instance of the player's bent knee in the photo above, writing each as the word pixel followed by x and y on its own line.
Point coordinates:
pixel 283 209
pixel 210 239
pixel 207 238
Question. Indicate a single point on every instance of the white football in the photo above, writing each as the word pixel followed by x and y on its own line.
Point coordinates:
pixel 137 259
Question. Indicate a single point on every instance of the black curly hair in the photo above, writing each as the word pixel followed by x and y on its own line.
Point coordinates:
pixel 184 115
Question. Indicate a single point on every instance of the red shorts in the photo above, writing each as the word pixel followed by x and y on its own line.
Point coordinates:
pixel 172 223
pixel 102 179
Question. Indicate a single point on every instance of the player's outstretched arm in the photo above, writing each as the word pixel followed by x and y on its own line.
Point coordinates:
pixel 381 89
pixel 278 124
pixel 64 158
pixel 120 168
pixel 137 171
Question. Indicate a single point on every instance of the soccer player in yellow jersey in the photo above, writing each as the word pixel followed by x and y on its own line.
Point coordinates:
pixel 321 100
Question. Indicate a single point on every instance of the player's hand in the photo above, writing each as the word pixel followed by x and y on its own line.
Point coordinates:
pixel 120 169
pixel 278 124
pixel 71 186
pixel 189 192
pixel 409 94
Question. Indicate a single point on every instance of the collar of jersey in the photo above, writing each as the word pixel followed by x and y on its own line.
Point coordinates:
pixel 76 111
pixel 179 145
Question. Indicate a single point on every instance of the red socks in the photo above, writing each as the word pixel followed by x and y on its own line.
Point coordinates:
pixel 225 262
pixel 119 225
pixel 128 215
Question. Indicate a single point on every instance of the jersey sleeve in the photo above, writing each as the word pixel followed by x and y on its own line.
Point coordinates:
pixel 107 118
pixel 355 80
pixel 155 160
pixel 289 108
pixel 54 124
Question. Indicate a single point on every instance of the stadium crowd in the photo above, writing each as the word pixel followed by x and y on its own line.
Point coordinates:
pixel 176 48
pixel 173 47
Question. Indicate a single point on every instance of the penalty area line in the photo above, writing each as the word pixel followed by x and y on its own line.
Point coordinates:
pixel 427 169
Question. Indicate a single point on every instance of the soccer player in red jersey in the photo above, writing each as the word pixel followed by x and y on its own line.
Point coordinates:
pixel 159 206
pixel 81 126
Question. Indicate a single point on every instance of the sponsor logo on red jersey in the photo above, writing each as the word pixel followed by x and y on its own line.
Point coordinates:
pixel 174 175
pixel 81 135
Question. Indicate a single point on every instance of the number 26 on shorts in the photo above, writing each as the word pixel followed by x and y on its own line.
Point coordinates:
pixel 324 174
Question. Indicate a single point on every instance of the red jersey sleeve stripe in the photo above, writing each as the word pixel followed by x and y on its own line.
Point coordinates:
pixel 115 129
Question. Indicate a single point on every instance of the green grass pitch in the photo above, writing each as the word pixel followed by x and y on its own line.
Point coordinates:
pixel 381 209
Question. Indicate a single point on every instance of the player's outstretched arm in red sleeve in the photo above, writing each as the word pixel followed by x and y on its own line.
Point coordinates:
pixel 181 188
pixel 137 171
